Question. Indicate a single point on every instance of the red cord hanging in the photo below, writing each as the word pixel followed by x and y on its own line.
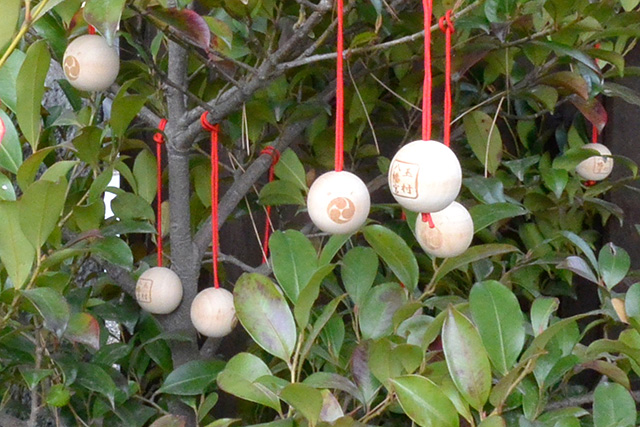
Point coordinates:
pixel 275 157
pixel 92 29
pixel 159 139
pixel 446 25
pixel 427 83
pixel 215 244
pixel 339 154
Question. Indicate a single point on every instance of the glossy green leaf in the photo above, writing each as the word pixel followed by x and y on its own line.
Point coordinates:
pixel 104 15
pixel 58 395
pixel 493 421
pixel 8 77
pixel 94 378
pixel 496 312
pixel 16 253
pixel 192 378
pixel 32 377
pixel 484 139
pixel 52 307
pixel 541 310
pixel 569 82
pixel 304 399
pixel 290 169
pixel 59 171
pixel 466 358
pixel 29 169
pixel 40 209
pixel 614 263
pixel 132 206
pixel 331 248
pixel 207 405
pixel 395 252
pixel 358 271
pixel 378 308
pixel 125 108
pixel 294 261
pixel 632 305
pixel 613 406
pixel 83 328
pixel 113 250
pixel 424 402
pixel 333 381
pixel 10 148
pixel 239 379
pixel 9 21
pixel 280 192
pixel 7 192
pixel 30 90
pixel 474 253
pixel 146 174
pixel 579 267
pixel 582 245
pixel 485 215
pixel 264 313
pixel 88 144
pixel 309 294
pixel 170 420
pixel 540 342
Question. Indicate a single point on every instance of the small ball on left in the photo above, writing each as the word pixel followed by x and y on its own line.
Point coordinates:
pixel 90 64
pixel 213 313
pixel 159 290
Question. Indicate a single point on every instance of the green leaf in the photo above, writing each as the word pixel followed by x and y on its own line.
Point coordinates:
pixel 541 310
pixel 424 402
pixel 125 108
pixel 474 253
pixel 187 23
pixel 614 263
pixel 9 21
pixel 395 252
pixel 583 246
pixel 571 158
pixel 29 169
pixel 377 310
pixel 8 77
pixel 10 148
pixel 239 379
pixel 7 192
pixel 555 180
pixel 632 305
pixel 331 248
pixel 493 421
pixel 265 315
pixel 104 15
pixel 59 170
pixel 304 399
pixel 52 307
pixel 132 206
pixel 485 215
pixel 94 378
pixel 570 81
pixel 30 90
pixel 294 261
pixel 543 339
pixel 358 271
pixel 192 378
pixel 280 192
pixel 466 358
pixel 88 144
pixel 40 209
pixel 613 406
pixel 33 376
pixel 170 420
pixel 290 169
pixel 113 250
pixel 478 128
pixel 83 328
pixel 333 381
pixel 16 252
pixel 58 396
pixel 309 294
pixel 579 267
pixel 146 174
pixel 561 49
pixel 496 312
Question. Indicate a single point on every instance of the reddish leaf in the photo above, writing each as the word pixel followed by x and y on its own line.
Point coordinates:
pixel 569 81
pixel 84 328
pixel 186 22
pixel 170 421
pixel 592 109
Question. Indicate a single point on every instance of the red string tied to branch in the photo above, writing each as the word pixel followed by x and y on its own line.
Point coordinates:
pixel 275 157
pixel 215 241
pixel 159 139
pixel 446 25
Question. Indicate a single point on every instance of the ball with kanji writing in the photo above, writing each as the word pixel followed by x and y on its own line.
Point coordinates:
pixel 159 290
pixel 596 168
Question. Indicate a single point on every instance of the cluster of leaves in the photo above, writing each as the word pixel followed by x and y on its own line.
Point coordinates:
pixel 355 329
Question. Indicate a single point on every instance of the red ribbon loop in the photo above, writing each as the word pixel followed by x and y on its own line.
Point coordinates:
pixel 446 24
pixel 159 136
pixel 206 125
pixel 275 154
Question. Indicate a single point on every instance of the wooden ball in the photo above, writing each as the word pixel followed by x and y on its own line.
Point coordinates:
pixel 595 168
pixel 425 176
pixel 338 202
pixel 90 64
pixel 159 290
pixel 451 235
pixel 213 313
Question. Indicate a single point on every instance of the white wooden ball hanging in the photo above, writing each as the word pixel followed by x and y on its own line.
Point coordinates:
pixel 451 235
pixel 596 168
pixel 338 202
pixel 425 176
pixel 159 290
pixel 90 64
pixel 213 313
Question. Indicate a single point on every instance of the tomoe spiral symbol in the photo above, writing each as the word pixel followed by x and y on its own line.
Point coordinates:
pixel 341 210
pixel 71 67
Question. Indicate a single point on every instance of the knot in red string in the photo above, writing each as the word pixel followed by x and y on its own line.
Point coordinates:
pixel 159 136
pixel 275 154
pixel 426 217
pixel 446 24
pixel 206 125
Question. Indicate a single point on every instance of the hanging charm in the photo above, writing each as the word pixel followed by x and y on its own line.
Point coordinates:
pixel 159 289
pixel 338 201
pixel 212 311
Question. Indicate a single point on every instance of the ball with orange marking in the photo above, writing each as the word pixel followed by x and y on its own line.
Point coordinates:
pixel 451 235
pixel 425 176
pixel 90 64
pixel 596 168
pixel 159 290
pixel 338 202
pixel 213 313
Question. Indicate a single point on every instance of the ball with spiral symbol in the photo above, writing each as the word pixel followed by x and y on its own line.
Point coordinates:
pixel 90 64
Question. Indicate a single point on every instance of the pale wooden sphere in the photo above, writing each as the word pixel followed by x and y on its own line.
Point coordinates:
pixel 213 313
pixel 451 235
pixel 425 176
pixel 159 290
pixel 90 64
pixel 338 202
pixel 595 168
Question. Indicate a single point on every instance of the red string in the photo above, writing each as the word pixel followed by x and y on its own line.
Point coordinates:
pixel 92 29
pixel 339 154
pixel 426 217
pixel 594 129
pixel 426 85
pixel 215 244
pixel 159 139
pixel 275 157
pixel 446 25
